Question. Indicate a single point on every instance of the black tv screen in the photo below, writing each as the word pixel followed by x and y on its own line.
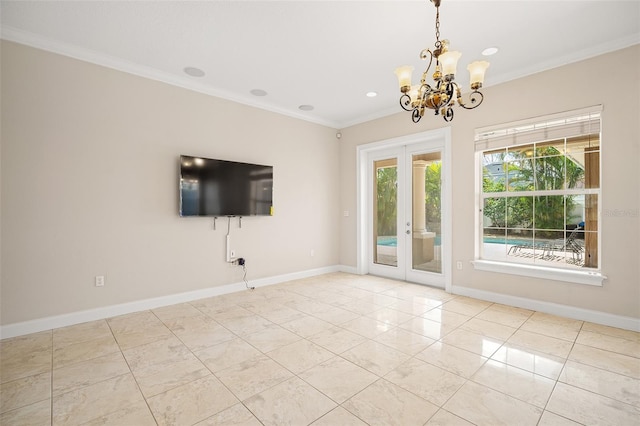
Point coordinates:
pixel 211 187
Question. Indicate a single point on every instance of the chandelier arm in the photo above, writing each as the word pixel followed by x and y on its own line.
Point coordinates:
pixel 416 115
pixel 426 90
pixel 423 56
pixel 450 90
pixel 476 99
pixel 447 113
pixel 405 101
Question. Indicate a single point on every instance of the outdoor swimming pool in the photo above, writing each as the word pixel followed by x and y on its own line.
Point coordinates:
pixel 393 241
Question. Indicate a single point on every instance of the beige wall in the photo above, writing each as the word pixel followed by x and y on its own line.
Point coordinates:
pixel 90 187
pixel 570 87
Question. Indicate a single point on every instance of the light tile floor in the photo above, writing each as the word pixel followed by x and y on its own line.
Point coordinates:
pixel 331 350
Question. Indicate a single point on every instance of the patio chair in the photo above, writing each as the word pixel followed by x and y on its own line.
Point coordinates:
pixel 516 249
pixel 570 244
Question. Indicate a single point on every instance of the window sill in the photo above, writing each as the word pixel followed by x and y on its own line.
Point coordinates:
pixel 577 277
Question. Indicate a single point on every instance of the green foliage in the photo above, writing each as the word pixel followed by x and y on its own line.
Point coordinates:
pixel 387 200
pixel 433 191
pixel 386 197
pixel 494 208
pixel 548 171
pixel 550 212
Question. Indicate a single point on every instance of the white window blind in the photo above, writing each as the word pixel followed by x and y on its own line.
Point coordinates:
pixel 567 124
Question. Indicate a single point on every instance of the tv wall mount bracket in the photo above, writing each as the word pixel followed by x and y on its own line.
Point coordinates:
pixel 229 223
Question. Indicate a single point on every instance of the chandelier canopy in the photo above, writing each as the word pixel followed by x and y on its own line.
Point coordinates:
pixel 445 92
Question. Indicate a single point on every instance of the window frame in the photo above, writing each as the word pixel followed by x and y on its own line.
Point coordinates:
pixel 538 130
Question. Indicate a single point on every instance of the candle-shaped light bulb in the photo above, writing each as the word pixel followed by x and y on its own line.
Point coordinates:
pixel 449 61
pixel 404 77
pixel 477 70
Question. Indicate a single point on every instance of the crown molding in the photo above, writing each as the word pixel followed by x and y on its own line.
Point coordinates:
pixel 98 58
pixel 30 39
pixel 570 58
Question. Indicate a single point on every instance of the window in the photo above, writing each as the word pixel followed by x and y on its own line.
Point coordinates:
pixel 539 186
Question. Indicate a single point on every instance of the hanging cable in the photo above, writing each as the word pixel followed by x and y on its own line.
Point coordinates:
pixel 244 277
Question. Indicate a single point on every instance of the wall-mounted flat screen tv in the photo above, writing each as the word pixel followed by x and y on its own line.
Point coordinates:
pixel 211 187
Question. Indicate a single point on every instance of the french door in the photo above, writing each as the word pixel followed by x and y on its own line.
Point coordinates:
pixel 407 217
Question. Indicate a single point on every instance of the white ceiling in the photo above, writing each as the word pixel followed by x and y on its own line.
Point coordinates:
pixel 328 54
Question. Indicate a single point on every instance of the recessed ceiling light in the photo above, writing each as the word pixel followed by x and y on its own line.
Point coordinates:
pixel 194 72
pixel 306 107
pixel 372 94
pixel 490 51
pixel 258 92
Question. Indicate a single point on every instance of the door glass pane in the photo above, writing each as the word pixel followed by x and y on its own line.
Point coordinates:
pixel 385 212
pixel 426 203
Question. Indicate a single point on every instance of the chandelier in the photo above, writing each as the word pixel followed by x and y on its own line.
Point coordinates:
pixel 443 95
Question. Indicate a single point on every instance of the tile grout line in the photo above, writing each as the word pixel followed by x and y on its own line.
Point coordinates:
pixel 240 401
pixel 131 372
pixel 51 390
pixel 465 379
pixel 557 380
pixel 369 340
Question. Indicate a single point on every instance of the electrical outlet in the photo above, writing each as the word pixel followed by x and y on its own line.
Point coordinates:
pixel 232 253
pixel 459 265
pixel 99 280
pixel 313 253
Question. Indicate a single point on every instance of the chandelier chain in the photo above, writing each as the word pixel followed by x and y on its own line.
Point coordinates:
pixel 437 24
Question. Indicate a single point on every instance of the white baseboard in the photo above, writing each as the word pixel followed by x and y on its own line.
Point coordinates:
pixel 57 321
pixel 262 282
pixel 348 269
pixel 64 320
pixel 604 318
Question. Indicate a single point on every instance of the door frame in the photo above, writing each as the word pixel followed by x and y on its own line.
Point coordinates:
pixel 441 137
